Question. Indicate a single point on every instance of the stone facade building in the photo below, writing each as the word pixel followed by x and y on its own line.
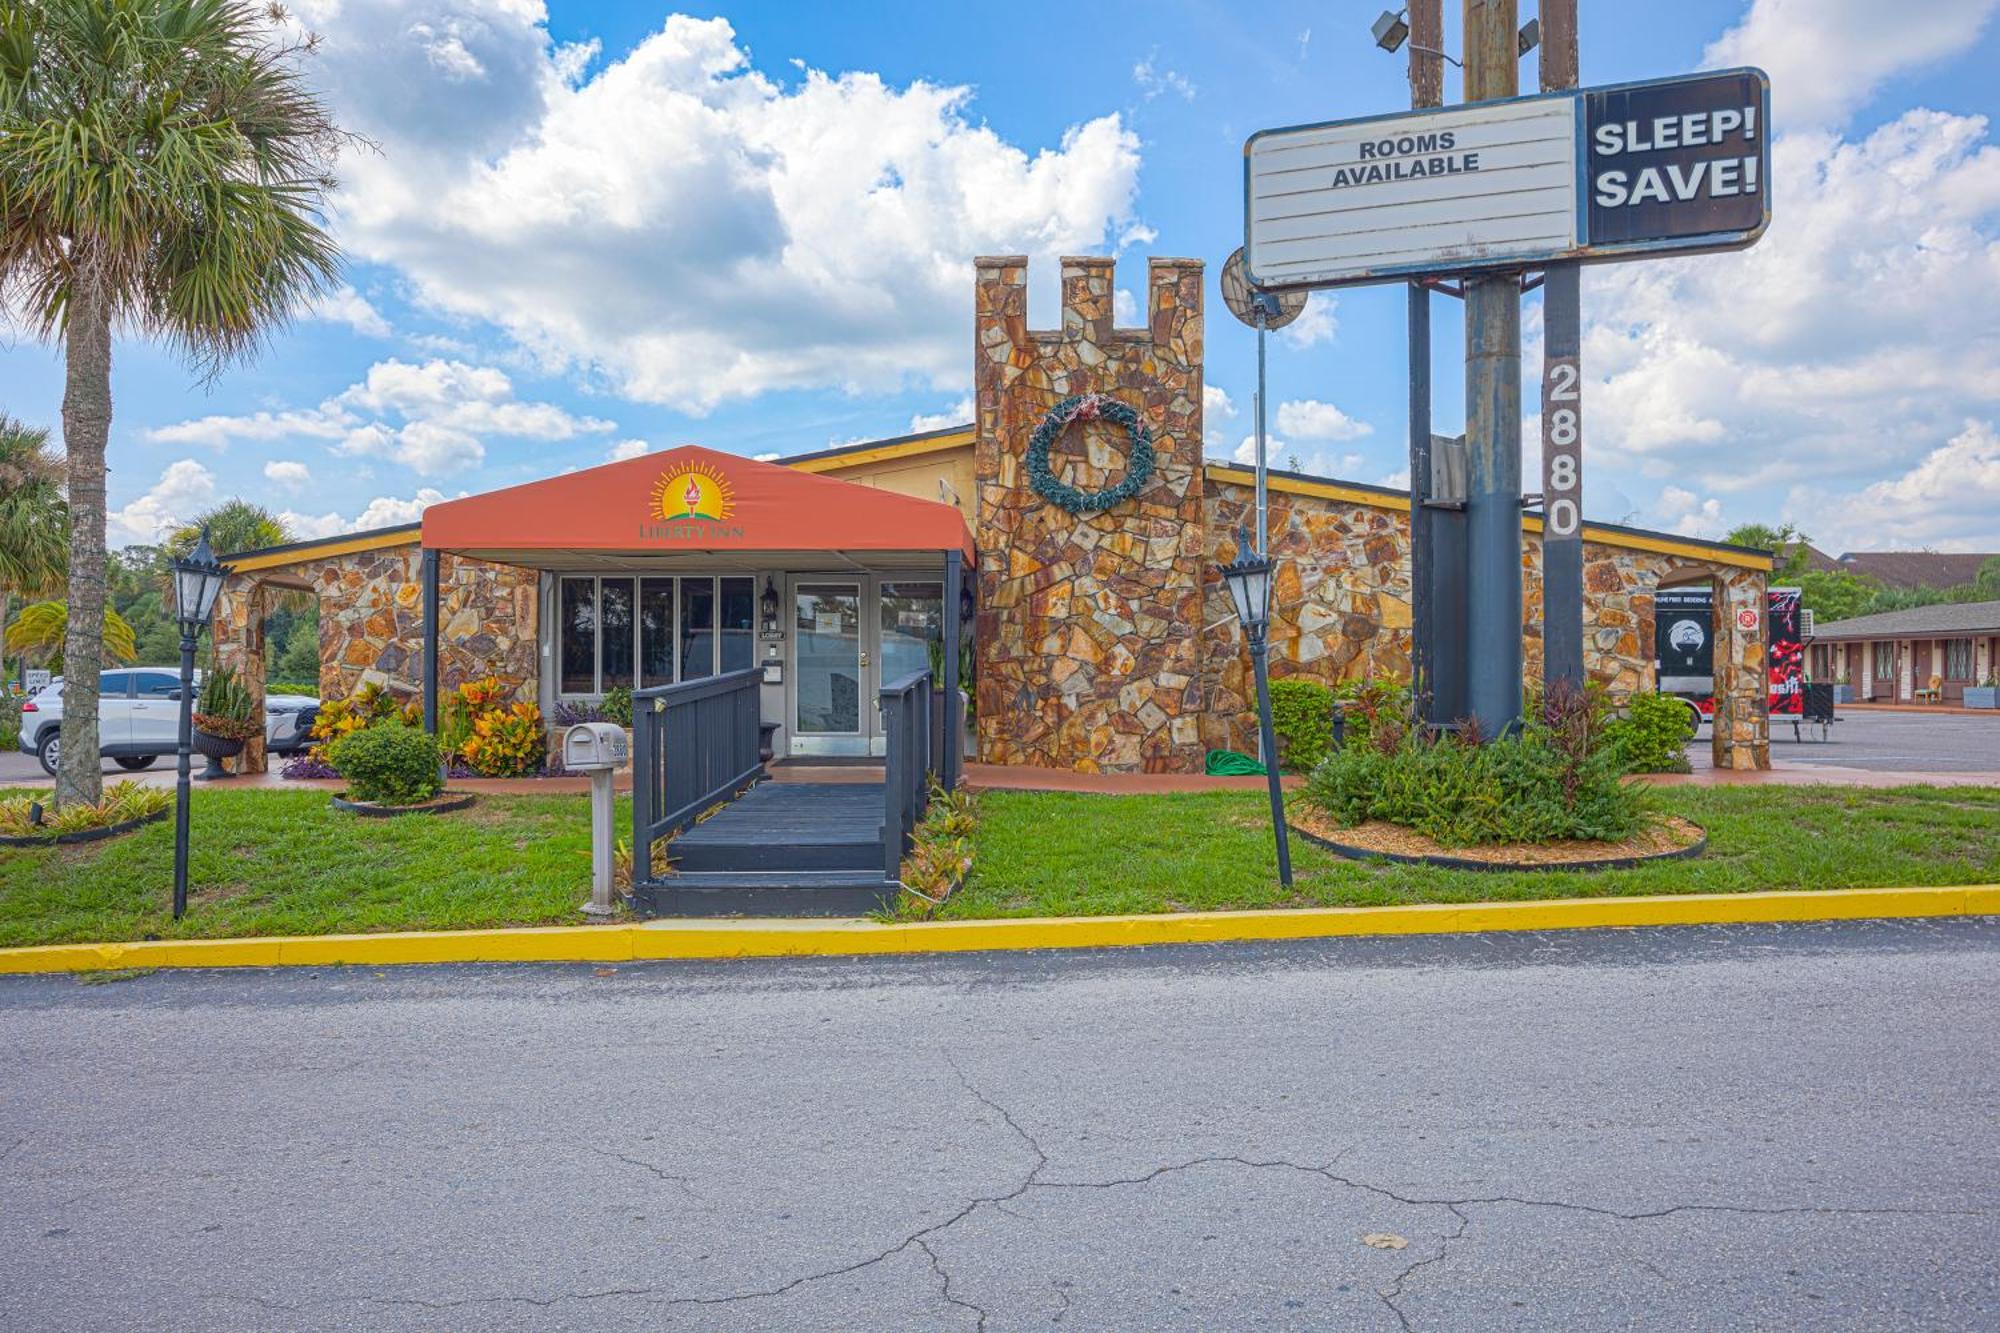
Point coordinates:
pixel 1104 641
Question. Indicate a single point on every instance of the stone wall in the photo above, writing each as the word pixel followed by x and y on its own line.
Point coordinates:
pixel 371 625
pixel 1341 611
pixel 1086 632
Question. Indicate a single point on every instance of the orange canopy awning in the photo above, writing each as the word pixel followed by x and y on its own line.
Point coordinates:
pixel 692 500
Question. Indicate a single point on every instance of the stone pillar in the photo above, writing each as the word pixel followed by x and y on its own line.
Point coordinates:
pixel 1742 728
pixel 1088 623
pixel 238 631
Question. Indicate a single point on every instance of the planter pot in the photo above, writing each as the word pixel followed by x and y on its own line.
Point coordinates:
pixel 1982 696
pixel 1843 694
pixel 215 749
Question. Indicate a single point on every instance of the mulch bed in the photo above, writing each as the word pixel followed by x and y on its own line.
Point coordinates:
pixel 1670 838
pixel 451 800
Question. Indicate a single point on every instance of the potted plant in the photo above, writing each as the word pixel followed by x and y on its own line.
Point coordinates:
pixel 1843 691
pixel 1986 694
pixel 224 719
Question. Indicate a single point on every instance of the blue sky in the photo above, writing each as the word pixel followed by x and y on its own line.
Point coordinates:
pixel 595 228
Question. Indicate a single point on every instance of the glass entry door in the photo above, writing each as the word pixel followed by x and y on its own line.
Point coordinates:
pixel 831 713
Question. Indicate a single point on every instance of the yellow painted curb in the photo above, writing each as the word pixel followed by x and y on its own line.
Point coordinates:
pixel 763 938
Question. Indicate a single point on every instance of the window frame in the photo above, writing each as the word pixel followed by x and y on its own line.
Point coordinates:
pixel 637 580
pixel 1952 647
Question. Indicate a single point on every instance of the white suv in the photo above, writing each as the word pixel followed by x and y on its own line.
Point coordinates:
pixel 139 718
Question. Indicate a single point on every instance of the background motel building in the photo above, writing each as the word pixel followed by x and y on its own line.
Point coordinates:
pixel 1936 652
pixel 1102 641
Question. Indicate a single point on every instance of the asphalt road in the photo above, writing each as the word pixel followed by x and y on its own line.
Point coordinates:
pixel 1745 1127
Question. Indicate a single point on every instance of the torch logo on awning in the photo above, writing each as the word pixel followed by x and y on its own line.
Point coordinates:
pixel 694 490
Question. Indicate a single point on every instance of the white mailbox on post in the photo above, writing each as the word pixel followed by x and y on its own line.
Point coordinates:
pixel 599 749
pixel 590 746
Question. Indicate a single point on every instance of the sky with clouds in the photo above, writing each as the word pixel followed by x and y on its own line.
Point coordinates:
pixel 581 231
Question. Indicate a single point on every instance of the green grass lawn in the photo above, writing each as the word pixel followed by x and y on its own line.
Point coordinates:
pixel 1045 854
pixel 283 863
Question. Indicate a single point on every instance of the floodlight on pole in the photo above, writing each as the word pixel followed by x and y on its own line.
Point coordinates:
pixel 1530 36
pixel 198 580
pixel 1390 31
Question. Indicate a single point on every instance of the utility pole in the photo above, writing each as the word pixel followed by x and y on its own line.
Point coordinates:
pixel 1562 408
pixel 1493 420
pixel 1426 90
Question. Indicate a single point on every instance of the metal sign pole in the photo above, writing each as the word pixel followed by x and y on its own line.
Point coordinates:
pixel 1562 408
pixel 1263 467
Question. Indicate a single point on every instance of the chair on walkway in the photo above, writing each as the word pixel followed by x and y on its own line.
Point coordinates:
pixel 1932 693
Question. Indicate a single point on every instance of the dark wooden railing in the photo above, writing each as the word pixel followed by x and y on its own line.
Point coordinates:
pixel 906 780
pixel 693 744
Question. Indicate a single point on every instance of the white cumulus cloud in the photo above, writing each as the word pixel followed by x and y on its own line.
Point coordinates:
pixel 1827 57
pixel 1310 419
pixel 184 489
pixel 432 417
pixel 288 474
pixel 677 223
pixel 958 414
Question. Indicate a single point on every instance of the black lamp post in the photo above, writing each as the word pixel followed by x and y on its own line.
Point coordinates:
pixel 1249 580
pixel 197 583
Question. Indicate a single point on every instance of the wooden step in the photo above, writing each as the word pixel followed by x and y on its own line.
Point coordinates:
pixel 859 850
pixel 766 893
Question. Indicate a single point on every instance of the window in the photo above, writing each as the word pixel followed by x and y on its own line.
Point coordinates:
pixel 653 630
pixel 1885 661
pixel 697 628
pixel 577 619
pixel 739 619
pixel 656 632
pixel 1958 659
pixel 157 684
pixel 615 654
pixel 114 685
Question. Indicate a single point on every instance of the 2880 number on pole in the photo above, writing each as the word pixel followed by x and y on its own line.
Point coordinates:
pixel 1562 451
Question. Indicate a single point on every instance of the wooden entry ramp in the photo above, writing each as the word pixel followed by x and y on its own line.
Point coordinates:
pixel 740 845
pixel 781 849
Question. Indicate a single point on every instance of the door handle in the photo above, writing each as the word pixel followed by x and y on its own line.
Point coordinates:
pixel 864 659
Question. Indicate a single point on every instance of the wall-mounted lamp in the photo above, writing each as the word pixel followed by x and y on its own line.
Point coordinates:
pixel 769 604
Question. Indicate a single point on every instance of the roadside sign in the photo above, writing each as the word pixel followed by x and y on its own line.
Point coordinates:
pixel 37 678
pixel 1623 171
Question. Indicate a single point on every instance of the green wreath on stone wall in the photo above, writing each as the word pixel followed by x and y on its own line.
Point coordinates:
pixel 1089 407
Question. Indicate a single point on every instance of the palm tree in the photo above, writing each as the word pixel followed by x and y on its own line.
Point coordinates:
pixel 232 526
pixel 163 169
pixel 34 520
pixel 41 633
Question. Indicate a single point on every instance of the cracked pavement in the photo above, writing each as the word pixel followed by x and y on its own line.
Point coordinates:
pixel 1745 1127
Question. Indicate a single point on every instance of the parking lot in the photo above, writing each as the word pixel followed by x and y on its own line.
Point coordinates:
pixel 1885 742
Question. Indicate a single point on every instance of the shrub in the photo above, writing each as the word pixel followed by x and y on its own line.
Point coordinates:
pixel 1653 735
pixel 1302 718
pixel 122 801
pixel 369 706
pixel 617 706
pixel 391 764
pixel 1369 702
pixel 10 722
pixel 1556 780
pixel 506 743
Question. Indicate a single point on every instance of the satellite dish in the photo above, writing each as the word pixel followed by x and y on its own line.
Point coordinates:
pixel 1280 308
